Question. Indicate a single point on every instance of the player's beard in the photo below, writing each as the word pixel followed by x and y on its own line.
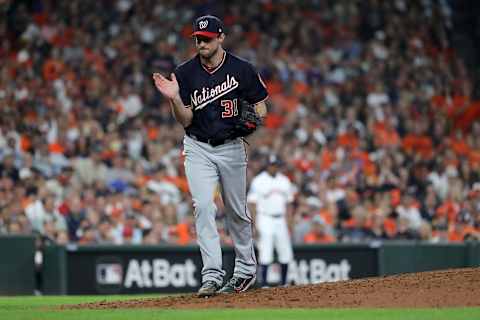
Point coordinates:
pixel 208 55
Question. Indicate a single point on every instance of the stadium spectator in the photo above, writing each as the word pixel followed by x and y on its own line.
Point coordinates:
pixel 372 109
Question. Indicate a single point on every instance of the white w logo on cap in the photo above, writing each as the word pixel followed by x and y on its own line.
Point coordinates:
pixel 203 24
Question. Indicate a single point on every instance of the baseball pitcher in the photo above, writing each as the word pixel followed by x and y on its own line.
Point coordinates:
pixel 210 95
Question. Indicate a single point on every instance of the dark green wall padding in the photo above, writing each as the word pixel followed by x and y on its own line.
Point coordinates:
pixel 17 265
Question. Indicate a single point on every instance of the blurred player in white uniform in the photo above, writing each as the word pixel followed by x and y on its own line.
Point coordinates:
pixel 269 197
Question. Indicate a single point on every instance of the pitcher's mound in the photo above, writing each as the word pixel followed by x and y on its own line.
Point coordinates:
pixel 449 288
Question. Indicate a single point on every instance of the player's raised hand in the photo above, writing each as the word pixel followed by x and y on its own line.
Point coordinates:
pixel 169 88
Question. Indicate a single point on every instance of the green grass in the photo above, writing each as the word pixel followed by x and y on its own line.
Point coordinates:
pixel 36 308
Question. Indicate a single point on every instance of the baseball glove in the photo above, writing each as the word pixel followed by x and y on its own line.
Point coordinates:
pixel 248 121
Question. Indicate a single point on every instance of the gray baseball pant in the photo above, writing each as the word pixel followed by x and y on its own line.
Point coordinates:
pixel 205 168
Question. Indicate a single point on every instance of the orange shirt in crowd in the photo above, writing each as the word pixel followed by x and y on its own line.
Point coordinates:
pixel 449 106
pixel 153 133
pixel 474 157
pixel 274 87
pixel 384 135
pixel 300 88
pixel 274 120
pixel 327 158
pixel 395 197
pixel 96 60
pixel 182 233
pixel 286 103
pixel 107 154
pixel 52 69
pixel 390 226
pixel 142 180
pixel 348 140
pixel 25 201
pixel 459 146
pixel 312 237
pixel 349 223
pixel 56 148
pixel 418 144
pixel 326 215
pixel 25 143
pixel 457 104
pixel 458 235
pixel 471 114
pixel 291 104
pixel 450 209
pixel 454 236
pixel 137 205
pixel 303 165
pixel 40 18
pixel 438 101
pixel 63 39
pixel 369 167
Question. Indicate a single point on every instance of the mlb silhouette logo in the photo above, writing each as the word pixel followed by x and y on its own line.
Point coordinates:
pixel 109 273
pixel 203 24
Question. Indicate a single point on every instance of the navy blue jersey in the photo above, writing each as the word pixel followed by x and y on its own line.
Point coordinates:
pixel 215 95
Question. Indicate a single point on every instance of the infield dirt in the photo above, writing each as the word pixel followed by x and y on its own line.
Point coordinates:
pixel 436 289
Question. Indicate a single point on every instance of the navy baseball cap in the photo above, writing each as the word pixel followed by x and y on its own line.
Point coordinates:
pixel 274 160
pixel 208 26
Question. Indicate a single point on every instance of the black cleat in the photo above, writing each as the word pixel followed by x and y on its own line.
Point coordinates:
pixel 209 288
pixel 237 284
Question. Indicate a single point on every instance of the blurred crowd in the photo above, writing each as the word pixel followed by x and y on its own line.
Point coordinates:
pixel 370 109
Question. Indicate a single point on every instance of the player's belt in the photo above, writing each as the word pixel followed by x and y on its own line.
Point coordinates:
pixel 212 142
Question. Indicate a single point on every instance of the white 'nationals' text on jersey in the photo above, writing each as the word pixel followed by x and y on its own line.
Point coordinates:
pixel 214 95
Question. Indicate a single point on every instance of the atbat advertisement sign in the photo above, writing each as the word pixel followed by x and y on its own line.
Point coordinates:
pixel 129 270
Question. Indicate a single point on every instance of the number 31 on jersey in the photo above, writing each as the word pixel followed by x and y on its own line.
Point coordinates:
pixel 230 108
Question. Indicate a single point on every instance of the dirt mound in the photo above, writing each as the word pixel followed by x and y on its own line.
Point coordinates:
pixel 449 288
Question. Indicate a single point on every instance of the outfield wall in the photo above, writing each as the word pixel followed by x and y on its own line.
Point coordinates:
pixel 172 269
pixel 168 269
pixel 152 269
pixel 17 265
